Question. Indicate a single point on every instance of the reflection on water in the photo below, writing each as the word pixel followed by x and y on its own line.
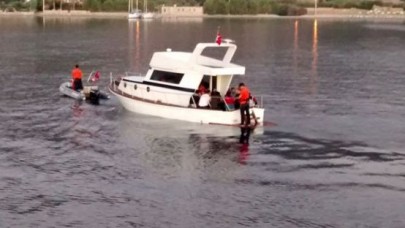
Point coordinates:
pixel 77 109
pixel 296 47
pixel 134 45
pixel 245 135
pixel 314 76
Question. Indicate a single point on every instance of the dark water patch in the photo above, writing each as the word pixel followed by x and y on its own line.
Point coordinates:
pixel 292 186
pixel 293 146
pixel 385 174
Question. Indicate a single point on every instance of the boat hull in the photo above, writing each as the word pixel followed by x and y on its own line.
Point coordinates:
pixel 189 114
pixel 134 15
pixel 148 15
pixel 66 89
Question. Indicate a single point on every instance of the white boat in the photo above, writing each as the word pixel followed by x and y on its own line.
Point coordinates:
pixel 146 14
pixel 170 85
pixel 133 13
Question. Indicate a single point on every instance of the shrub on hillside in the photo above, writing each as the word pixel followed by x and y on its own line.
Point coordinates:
pixel 92 5
pixel 368 5
pixel 281 9
pixel 297 11
pixel 289 10
pixel 215 7
pixel 19 6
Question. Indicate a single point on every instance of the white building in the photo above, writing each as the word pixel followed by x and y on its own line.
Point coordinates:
pixel 182 11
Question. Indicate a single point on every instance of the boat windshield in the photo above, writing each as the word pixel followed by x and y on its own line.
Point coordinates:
pixel 167 77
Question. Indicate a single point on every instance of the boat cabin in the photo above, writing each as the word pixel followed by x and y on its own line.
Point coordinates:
pixel 174 77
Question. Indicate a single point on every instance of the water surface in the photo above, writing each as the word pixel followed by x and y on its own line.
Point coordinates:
pixel 335 89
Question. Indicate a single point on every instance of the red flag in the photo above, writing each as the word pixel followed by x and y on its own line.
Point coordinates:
pixel 218 39
pixel 95 76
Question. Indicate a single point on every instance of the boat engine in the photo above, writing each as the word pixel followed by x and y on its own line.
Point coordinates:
pixel 94 97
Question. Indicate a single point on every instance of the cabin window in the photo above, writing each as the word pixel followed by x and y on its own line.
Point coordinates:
pixel 167 77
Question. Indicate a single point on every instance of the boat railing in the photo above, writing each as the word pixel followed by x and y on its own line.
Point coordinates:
pixel 259 100
pixel 258 104
pixel 168 97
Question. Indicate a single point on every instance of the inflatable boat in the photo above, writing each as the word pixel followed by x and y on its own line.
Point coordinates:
pixel 89 93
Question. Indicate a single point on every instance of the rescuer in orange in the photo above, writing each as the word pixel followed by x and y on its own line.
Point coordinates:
pixel 77 78
pixel 244 95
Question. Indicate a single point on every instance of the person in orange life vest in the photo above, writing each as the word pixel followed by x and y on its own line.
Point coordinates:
pixel 244 104
pixel 77 78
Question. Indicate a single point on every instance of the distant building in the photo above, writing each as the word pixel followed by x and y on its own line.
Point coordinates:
pixel 386 10
pixel 392 1
pixel 319 1
pixel 182 11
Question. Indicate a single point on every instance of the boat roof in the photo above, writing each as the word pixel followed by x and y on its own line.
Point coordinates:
pixel 196 62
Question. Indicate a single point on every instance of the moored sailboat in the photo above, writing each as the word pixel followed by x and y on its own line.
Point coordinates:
pixel 146 14
pixel 133 13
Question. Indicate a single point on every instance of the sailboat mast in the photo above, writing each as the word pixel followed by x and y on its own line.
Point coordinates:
pixel 136 5
pixel 146 6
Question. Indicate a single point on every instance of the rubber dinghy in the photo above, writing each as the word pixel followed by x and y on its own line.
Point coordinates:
pixel 66 89
pixel 90 93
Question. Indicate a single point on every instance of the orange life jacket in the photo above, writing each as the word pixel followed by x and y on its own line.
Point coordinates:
pixel 244 95
pixel 77 73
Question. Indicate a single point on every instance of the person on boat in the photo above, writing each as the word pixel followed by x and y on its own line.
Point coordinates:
pixel 244 95
pixel 229 101
pixel 77 78
pixel 205 99
pixel 233 92
pixel 216 100
pixel 201 89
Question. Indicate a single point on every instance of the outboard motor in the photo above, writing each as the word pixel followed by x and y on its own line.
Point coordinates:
pixel 94 97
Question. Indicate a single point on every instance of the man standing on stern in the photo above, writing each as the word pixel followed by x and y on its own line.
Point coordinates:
pixel 77 78
pixel 244 105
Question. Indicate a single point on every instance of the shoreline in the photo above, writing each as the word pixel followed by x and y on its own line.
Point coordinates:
pixel 122 15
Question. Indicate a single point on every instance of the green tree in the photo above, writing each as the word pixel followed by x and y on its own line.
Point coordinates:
pixel 92 5
pixel 265 6
pixel 238 7
pixel 253 6
pixel 215 7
